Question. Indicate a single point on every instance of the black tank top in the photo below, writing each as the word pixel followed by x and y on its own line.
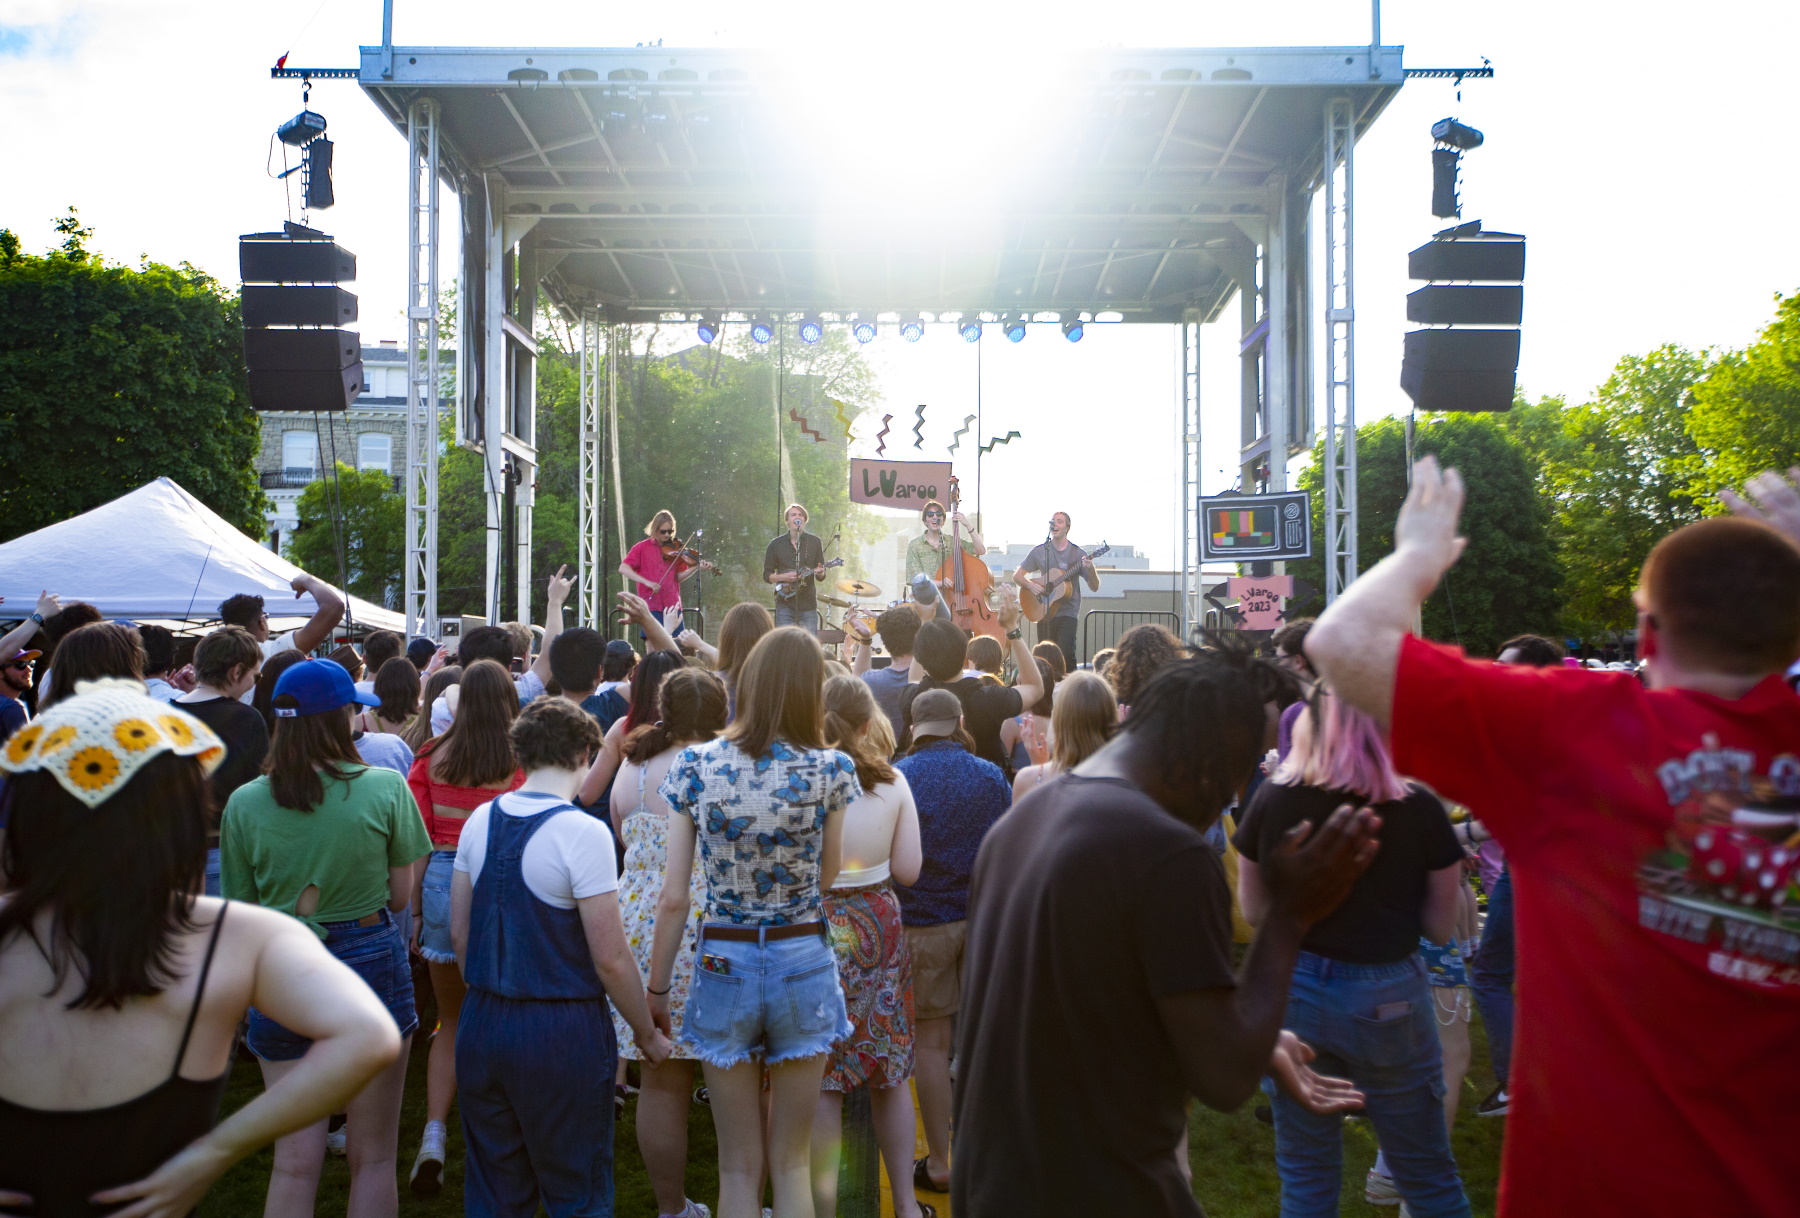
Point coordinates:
pixel 62 1158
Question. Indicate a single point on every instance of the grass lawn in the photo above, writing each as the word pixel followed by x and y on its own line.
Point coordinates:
pixel 1233 1157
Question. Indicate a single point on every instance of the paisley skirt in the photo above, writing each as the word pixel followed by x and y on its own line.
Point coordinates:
pixel 875 969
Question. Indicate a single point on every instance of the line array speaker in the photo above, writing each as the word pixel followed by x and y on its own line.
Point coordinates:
pixel 1462 368
pixel 298 356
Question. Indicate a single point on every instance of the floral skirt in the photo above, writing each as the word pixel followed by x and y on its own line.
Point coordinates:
pixel 875 970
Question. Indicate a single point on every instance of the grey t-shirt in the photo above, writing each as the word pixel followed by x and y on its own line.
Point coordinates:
pixel 887 684
pixel 1047 558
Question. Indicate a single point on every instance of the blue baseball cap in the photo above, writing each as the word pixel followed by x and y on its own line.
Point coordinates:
pixel 317 687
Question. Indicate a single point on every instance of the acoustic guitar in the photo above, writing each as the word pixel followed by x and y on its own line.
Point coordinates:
pixel 1057 584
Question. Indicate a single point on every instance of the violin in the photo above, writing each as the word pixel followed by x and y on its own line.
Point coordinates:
pixel 687 553
pixel 967 583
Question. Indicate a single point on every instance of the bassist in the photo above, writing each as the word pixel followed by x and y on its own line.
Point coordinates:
pixel 796 557
pixel 925 553
pixel 1057 557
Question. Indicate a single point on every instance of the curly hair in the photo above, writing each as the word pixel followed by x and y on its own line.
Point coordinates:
pixel 1143 651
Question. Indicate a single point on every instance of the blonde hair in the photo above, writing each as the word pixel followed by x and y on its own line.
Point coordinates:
pixel 1085 714
pixel 856 727
pixel 797 507
pixel 665 514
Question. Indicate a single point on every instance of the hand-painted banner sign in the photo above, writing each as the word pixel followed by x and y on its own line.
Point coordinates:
pixel 901 484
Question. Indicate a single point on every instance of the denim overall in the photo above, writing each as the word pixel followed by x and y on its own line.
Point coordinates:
pixel 535 1052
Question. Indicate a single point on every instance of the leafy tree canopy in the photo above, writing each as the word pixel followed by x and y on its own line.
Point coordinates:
pixel 112 376
pixel 1746 412
pixel 362 517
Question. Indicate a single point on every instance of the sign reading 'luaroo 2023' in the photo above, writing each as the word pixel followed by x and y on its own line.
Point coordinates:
pixel 901 484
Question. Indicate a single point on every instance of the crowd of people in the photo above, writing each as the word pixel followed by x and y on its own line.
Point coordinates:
pixel 1056 904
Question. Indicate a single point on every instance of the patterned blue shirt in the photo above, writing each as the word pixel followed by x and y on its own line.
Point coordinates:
pixel 959 796
pixel 761 825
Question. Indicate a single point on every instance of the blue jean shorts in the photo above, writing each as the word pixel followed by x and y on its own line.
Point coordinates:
pixel 777 1000
pixel 434 909
pixel 378 955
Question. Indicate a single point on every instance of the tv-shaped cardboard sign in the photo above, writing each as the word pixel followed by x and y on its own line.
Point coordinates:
pixel 899 484
pixel 1256 528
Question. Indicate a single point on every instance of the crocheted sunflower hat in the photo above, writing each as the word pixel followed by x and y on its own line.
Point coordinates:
pixel 94 742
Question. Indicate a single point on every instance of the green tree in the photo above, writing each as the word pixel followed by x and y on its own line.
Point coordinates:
pixel 1746 412
pixel 112 376
pixel 1508 580
pixel 1614 472
pixel 360 516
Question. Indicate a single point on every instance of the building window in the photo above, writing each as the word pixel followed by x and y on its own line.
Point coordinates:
pixel 299 456
pixel 374 450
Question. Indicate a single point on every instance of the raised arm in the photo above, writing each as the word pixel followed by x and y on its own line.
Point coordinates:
pixel 16 638
pixel 1355 644
pixel 330 612
pixel 555 596
pixel 1031 684
pixel 1768 497
pixel 636 609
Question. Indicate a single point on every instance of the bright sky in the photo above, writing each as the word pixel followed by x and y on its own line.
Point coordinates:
pixel 1605 124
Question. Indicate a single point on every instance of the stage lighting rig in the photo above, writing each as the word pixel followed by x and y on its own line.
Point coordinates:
pixel 1457 135
pixel 1013 326
pixel 1453 139
pixel 302 129
pixel 970 327
pixel 709 327
pixel 1072 327
pixel 912 328
pixel 306 131
pixel 762 329
pixel 811 328
pixel 862 327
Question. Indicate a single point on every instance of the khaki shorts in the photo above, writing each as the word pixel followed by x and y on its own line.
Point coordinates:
pixel 937 960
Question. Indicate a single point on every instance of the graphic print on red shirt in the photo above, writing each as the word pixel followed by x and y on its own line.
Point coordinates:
pixel 1651 835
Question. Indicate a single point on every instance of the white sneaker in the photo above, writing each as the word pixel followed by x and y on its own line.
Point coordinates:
pixel 694 1209
pixel 1379 1189
pixel 336 1141
pixel 428 1169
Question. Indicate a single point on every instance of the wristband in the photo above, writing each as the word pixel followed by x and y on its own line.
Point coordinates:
pixel 37 617
pixel 658 993
pixel 1014 634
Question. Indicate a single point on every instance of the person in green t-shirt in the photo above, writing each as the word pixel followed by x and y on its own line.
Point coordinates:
pixel 333 842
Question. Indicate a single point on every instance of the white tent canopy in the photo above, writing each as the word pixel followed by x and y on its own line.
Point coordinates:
pixel 157 553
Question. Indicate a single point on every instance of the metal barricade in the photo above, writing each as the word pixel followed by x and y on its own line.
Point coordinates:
pixel 1102 628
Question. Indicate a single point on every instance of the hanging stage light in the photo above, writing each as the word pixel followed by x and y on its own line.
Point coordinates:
pixel 862 327
pixel 970 327
pixel 912 329
pixel 1072 327
pixel 1013 326
pixel 709 327
pixel 811 328
pixel 762 330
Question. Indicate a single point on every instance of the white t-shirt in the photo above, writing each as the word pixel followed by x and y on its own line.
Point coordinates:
pixel 161 690
pixel 528 683
pixel 868 843
pixel 569 858
pixel 366 687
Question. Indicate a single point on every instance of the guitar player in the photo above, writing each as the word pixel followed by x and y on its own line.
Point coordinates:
pixel 792 558
pixel 1057 558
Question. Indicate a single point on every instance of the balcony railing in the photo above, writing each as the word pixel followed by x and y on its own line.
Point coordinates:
pixel 296 476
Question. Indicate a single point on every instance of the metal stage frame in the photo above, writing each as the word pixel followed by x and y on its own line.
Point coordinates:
pixel 647 184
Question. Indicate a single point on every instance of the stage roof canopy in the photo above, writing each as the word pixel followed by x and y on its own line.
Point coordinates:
pixel 667 182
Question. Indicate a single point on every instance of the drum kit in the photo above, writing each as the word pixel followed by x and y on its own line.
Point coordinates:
pixel 858 623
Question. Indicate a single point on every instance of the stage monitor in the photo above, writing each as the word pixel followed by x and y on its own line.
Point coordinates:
pixel 1256 528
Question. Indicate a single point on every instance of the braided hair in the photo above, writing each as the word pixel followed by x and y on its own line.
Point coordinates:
pixel 1208 714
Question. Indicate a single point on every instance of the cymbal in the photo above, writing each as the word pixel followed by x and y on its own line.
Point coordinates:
pixel 857 587
pixel 834 602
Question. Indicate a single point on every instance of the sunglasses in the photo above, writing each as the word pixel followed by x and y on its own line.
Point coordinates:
pixel 665 532
pixel 21 665
pixel 934 515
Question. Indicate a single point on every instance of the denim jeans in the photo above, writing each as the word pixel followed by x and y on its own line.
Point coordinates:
pixel 212 871
pixel 1491 976
pixel 787 615
pixel 1337 1008
pixel 377 954
pixel 778 1000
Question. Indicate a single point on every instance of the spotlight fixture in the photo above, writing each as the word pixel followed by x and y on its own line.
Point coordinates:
pixel 1072 327
pixel 1013 326
pixel 862 327
pixel 709 327
pixel 761 329
pixel 811 328
pixel 912 329
pixel 300 130
pixel 970 327
pixel 1457 135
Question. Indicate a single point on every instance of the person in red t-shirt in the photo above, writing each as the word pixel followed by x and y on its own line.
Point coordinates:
pixel 660 567
pixel 1651 836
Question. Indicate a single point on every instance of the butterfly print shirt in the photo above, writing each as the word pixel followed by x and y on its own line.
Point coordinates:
pixel 761 825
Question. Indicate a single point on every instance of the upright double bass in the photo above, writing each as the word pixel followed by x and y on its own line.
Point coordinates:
pixel 968 585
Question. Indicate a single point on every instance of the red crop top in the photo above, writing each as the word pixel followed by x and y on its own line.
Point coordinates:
pixel 446 831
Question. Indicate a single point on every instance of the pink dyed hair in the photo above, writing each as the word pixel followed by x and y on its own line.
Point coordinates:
pixel 1347 754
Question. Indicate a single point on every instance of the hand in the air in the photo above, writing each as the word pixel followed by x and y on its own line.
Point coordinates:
pixel 1426 527
pixel 1777 502
pixel 1009 614
pixel 48 603
pixel 559 588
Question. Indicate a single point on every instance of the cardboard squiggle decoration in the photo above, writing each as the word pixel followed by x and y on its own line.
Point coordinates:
pixel 805 426
pixel 995 441
pixel 881 436
pixel 965 429
pixel 840 410
pixel 919 426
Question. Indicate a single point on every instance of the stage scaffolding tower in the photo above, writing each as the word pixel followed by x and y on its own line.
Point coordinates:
pixel 1189 505
pixel 423 390
pixel 1340 349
